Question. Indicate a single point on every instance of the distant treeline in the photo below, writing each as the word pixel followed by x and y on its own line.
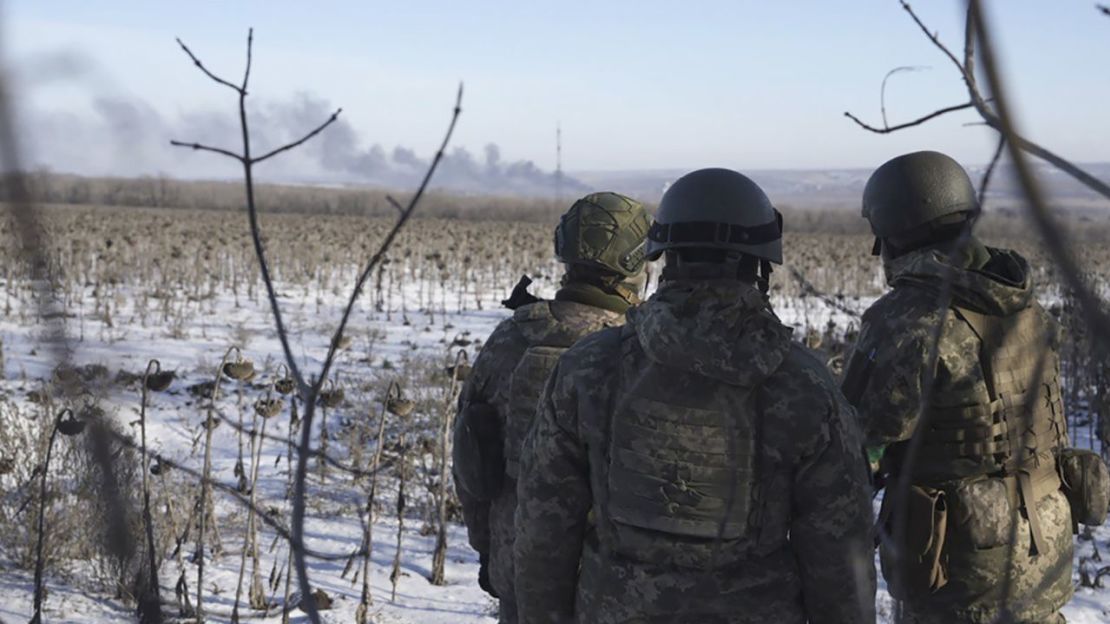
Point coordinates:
pixel 167 192
pixel 1005 218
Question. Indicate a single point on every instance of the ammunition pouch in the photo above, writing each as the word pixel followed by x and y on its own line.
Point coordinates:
pixel 479 453
pixel 914 562
pixel 1086 485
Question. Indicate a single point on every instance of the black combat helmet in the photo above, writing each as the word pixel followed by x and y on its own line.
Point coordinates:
pixel 912 197
pixel 717 209
pixel 716 223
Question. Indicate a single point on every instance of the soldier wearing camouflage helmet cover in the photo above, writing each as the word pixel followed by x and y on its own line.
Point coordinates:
pixel 696 464
pixel 600 240
pixel 984 496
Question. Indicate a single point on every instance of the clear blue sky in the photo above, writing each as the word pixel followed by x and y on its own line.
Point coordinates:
pixel 636 84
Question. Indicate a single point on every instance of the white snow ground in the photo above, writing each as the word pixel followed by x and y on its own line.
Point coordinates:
pixel 194 348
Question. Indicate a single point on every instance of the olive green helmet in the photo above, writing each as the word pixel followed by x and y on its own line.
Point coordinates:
pixel 717 209
pixel 604 231
pixel 910 193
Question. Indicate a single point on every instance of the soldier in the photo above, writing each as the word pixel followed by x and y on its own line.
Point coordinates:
pixel 988 416
pixel 696 464
pixel 601 242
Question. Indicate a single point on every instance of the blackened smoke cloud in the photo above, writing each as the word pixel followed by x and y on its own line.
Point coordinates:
pixel 128 137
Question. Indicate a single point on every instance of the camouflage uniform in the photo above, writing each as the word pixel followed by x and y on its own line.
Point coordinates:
pixel 695 465
pixel 980 480
pixel 490 523
pixel 601 242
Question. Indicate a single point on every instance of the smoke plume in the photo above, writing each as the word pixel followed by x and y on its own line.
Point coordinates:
pixel 128 137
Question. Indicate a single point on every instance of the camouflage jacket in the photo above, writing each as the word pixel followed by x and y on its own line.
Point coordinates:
pixel 792 542
pixel 490 523
pixel 886 381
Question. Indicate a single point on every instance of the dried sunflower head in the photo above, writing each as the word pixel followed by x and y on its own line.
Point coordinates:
pixel 239 370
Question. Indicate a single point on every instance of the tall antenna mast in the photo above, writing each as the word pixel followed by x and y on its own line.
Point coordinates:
pixel 559 162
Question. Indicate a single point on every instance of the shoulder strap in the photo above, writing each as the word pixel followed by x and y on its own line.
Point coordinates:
pixel 989 330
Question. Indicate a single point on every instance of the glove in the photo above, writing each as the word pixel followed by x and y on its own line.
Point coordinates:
pixel 483 575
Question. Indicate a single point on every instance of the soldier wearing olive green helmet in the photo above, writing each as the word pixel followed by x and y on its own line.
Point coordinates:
pixel 984 531
pixel 600 241
pixel 696 464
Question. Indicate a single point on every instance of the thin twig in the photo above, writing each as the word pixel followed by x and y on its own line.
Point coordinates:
pixel 934 37
pixel 233 490
pixel 809 289
pixel 313 452
pixel 1105 10
pixel 298 142
pixel 909 124
pixel 204 69
pixel 882 88
pixel 396 204
pixel 207 148
pixel 247 71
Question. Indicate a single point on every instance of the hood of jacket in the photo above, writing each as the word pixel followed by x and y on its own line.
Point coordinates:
pixel 722 329
pixel 1000 284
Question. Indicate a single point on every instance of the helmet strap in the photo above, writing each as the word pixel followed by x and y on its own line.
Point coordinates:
pixel 726 265
pixel 763 282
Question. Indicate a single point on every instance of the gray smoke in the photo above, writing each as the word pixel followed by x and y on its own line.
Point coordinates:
pixel 128 137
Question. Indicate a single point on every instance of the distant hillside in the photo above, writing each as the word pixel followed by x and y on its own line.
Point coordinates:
pixel 842 188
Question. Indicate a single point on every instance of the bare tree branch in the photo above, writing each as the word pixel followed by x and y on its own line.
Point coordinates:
pixel 314 452
pixel 206 148
pixel 298 142
pixel 396 204
pixel 809 289
pixel 1038 210
pixel 231 489
pixel 1102 8
pixel 204 69
pixel 989 116
pixel 909 124
pixel 247 71
pixel 309 604
pixel 934 37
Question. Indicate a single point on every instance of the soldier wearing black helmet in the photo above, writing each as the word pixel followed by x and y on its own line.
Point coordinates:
pixel 985 500
pixel 600 240
pixel 696 464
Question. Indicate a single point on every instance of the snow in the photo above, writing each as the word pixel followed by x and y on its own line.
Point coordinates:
pixel 192 341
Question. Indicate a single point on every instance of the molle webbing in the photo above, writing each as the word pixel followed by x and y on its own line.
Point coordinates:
pixel 994 427
pixel 1011 427
pixel 672 472
pixel 525 389
pixel 550 328
pixel 684 468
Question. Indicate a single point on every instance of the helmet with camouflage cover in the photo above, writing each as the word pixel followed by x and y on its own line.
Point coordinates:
pixel 717 209
pixel 603 231
pixel 913 195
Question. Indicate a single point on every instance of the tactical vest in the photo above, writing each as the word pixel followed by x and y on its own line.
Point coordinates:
pixel 550 327
pixel 1010 424
pixel 681 484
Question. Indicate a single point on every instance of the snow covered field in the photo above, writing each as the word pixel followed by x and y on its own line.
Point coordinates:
pixel 384 346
